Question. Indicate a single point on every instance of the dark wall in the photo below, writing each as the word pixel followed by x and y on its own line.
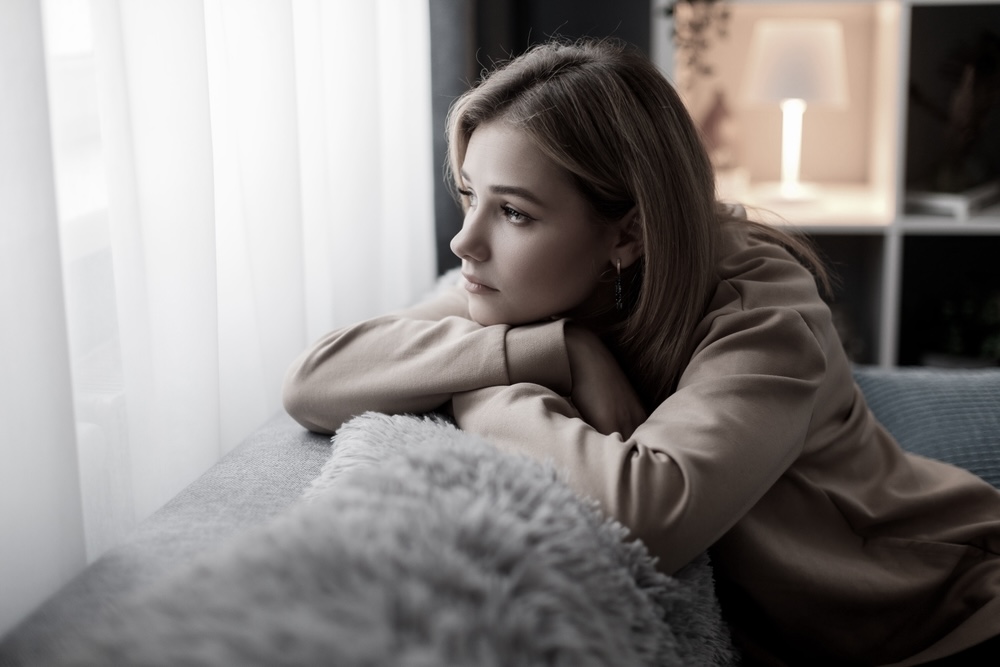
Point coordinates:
pixel 453 49
pixel 468 36
pixel 541 19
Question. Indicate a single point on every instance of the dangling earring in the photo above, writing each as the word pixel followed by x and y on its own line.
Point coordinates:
pixel 619 303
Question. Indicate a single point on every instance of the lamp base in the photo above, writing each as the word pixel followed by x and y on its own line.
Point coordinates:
pixel 786 192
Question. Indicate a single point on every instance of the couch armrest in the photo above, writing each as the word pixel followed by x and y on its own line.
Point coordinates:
pixel 258 479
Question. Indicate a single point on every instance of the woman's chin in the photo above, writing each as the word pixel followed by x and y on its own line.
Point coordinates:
pixel 485 317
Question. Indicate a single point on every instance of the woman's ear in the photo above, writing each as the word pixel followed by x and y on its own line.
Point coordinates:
pixel 628 245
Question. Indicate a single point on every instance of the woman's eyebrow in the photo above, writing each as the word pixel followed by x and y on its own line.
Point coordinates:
pixel 523 193
pixel 515 190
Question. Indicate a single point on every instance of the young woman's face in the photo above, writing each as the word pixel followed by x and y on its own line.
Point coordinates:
pixel 529 247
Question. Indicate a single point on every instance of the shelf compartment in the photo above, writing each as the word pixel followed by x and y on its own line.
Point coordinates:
pixel 848 154
pixel 855 264
pixel 950 304
pixel 952 142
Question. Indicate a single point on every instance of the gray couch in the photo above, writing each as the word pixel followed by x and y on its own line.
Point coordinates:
pixel 953 415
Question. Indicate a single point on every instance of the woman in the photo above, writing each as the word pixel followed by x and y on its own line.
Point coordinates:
pixel 678 364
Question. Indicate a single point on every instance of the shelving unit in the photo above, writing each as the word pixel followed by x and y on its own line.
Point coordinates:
pixel 883 254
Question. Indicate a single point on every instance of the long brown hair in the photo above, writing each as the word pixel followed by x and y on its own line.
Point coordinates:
pixel 605 114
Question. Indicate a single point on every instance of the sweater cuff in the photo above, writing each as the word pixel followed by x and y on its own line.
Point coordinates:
pixel 536 353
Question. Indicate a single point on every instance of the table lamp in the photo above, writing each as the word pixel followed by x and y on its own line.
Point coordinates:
pixel 795 63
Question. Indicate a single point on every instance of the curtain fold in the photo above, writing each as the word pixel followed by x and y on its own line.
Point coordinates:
pixel 172 387
pixel 252 88
pixel 39 488
pixel 233 178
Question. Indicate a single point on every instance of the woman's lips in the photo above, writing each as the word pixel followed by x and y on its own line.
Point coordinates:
pixel 476 287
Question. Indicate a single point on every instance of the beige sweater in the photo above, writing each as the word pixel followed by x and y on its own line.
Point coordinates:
pixel 828 541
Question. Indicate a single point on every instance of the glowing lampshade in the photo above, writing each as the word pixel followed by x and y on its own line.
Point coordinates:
pixel 795 63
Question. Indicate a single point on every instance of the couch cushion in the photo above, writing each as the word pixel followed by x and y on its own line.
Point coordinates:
pixel 948 414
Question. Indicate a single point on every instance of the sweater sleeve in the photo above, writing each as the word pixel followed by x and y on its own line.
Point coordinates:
pixel 415 360
pixel 738 419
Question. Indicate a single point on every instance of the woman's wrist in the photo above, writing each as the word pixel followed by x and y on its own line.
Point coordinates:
pixel 537 353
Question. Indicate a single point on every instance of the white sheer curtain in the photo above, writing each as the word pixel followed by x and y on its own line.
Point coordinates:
pixel 232 178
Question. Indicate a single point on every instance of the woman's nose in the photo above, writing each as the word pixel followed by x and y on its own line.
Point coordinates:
pixel 471 242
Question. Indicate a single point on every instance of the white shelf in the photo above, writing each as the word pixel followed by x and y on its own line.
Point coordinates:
pixel 986 222
pixel 865 225
pixel 833 209
pixel 934 227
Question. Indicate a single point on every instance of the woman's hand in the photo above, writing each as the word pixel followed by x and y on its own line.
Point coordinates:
pixel 601 392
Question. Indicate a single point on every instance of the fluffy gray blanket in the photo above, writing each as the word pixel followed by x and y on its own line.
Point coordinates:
pixel 421 545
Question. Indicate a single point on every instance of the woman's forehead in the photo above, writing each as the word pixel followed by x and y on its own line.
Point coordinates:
pixel 499 149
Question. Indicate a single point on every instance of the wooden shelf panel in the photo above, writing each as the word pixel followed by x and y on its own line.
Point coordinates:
pixel 835 209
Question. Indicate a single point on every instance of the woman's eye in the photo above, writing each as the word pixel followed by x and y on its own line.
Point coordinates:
pixel 470 195
pixel 514 216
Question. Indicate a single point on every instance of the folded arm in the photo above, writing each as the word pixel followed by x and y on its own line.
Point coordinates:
pixel 415 361
pixel 701 460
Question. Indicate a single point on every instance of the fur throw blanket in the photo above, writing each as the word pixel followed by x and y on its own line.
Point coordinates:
pixel 421 545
